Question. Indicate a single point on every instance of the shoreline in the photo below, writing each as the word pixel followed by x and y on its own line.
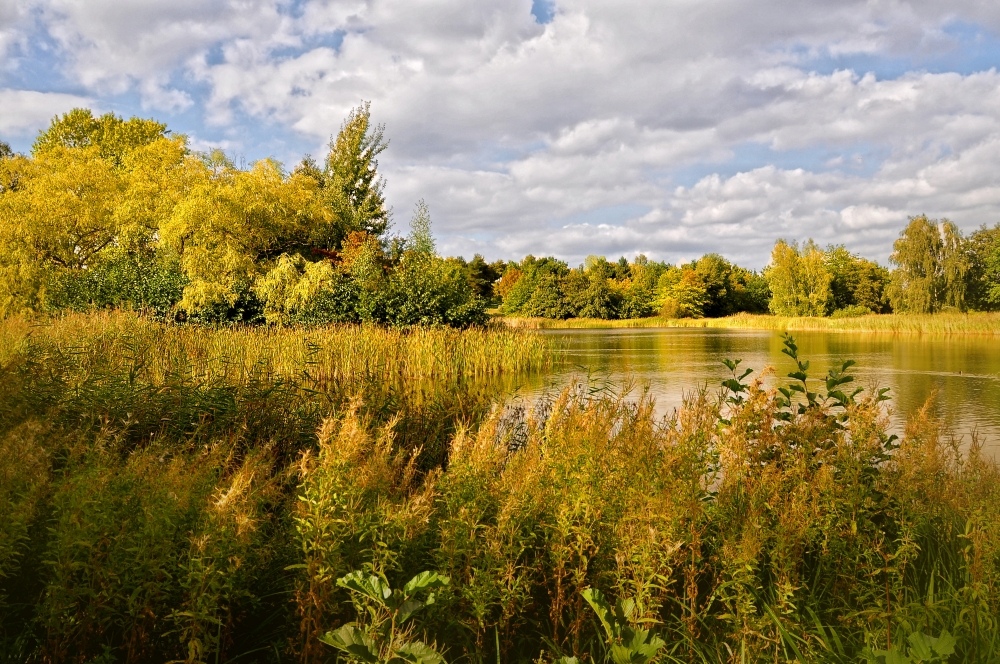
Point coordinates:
pixel 977 323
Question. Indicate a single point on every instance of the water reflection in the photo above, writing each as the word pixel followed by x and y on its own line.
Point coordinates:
pixel 962 373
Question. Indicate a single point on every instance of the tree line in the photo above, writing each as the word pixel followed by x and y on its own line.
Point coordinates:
pixel 934 267
pixel 106 212
pixel 113 213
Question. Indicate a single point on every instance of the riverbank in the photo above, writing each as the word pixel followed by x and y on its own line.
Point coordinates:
pixel 979 323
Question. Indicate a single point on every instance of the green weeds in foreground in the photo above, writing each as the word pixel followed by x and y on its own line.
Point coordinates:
pixel 185 515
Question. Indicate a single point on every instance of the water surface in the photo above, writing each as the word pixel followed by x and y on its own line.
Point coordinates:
pixel 961 373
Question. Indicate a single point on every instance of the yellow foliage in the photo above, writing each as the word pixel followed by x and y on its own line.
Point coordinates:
pixel 68 206
pixel 232 220
pixel 291 284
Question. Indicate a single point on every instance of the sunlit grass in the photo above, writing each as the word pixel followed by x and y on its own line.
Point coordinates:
pixel 333 353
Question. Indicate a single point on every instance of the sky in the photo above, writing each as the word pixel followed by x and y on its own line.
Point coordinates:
pixel 564 127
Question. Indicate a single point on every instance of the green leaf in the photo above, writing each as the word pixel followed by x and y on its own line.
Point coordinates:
pixel 893 656
pixel 601 607
pixel 407 609
pixel 372 586
pixel 424 581
pixel 353 641
pixel 944 645
pixel 416 652
pixel 734 385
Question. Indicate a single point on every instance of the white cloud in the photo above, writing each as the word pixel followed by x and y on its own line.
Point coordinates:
pixel 667 128
pixel 26 111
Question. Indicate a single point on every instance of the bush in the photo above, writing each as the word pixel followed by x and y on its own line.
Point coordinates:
pixel 851 311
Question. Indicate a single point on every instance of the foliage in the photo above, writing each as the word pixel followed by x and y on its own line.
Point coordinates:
pixel 799 280
pixel 115 139
pixel 626 643
pixel 682 294
pixel 350 184
pixel 931 267
pixel 420 240
pixel 382 635
pixel 856 283
pixel 983 277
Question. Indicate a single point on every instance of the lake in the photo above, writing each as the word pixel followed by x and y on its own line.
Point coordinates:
pixel 962 373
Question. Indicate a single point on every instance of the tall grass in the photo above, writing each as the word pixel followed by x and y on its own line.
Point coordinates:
pixel 163 501
pixel 978 323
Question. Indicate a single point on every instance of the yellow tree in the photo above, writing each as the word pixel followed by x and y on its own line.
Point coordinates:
pixel 799 280
pixel 234 225
pixel 92 187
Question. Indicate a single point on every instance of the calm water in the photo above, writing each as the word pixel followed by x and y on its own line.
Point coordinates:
pixel 963 373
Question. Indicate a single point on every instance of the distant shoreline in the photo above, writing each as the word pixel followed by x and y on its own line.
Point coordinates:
pixel 977 323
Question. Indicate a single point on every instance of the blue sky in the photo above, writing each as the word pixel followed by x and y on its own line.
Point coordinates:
pixel 564 127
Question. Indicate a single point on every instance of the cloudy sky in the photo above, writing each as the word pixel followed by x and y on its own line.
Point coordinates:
pixel 571 127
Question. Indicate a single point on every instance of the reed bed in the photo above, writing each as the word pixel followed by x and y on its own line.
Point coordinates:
pixel 978 323
pixel 334 353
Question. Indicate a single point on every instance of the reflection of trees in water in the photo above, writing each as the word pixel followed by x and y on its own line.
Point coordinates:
pixel 963 373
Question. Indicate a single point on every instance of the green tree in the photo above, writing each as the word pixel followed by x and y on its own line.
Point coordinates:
pixel 482 275
pixel 421 240
pixel 856 282
pixel 748 291
pixel 681 293
pixel 350 182
pixel 931 267
pixel 715 273
pixel 983 277
pixel 518 288
pixel 5 151
pixel 799 280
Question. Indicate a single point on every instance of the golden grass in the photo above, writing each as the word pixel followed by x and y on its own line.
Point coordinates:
pixel 324 354
pixel 978 323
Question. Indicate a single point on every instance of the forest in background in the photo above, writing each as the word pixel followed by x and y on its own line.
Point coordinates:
pixel 114 213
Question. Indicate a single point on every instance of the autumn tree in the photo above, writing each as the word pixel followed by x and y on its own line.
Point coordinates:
pixel 799 280
pixel 92 191
pixel 235 226
pixel 114 137
pixel 930 267
pixel 682 293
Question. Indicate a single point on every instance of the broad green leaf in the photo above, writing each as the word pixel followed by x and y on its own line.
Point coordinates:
pixel 371 586
pixel 353 641
pixel 424 581
pixel 920 646
pixel 407 609
pixel 601 607
pixel 944 645
pixel 416 652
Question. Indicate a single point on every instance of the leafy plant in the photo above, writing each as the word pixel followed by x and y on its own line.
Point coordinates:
pixel 922 648
pixel 384 637
pixel 625 642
